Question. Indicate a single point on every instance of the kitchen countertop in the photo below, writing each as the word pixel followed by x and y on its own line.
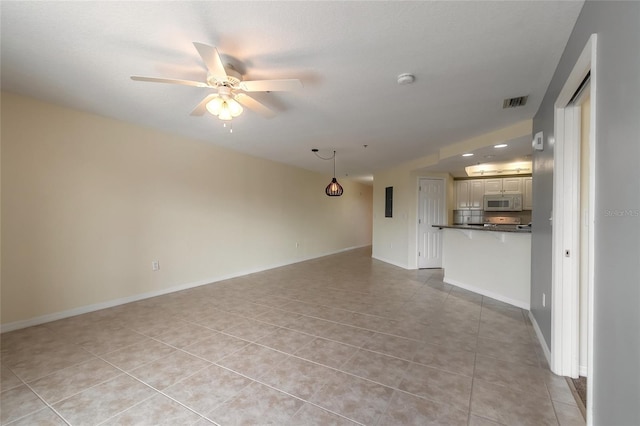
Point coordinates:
pixel 486 228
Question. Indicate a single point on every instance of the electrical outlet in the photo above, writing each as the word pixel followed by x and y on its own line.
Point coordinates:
pixel 544 300
pixel 155 265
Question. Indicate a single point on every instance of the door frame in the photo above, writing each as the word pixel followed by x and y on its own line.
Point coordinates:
pixel 444 207
pixel 566 229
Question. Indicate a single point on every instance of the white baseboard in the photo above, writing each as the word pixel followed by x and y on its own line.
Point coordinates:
pixel 391 262
pixel 94 307
pixel 16 325
pixel 518 303
pixel 543 343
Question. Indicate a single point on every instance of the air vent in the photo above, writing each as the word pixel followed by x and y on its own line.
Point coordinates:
pixel 514 102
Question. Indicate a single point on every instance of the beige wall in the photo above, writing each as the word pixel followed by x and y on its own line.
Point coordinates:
pixel 88 203
pixel 390 233
pixel 395 239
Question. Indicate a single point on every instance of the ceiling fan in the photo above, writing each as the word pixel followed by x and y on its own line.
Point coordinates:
pixel 229 87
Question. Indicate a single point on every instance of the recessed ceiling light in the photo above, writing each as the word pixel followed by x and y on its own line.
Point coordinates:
pixel 468 154
pixel 501 145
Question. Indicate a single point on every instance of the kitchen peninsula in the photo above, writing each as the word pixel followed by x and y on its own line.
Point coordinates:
pixel 494 262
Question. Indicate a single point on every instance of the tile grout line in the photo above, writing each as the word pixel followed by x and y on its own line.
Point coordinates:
pixel 50 406
pixel 334 368
pixel 122 371
pixel 156 391
pixel 299 300
pixel 326 366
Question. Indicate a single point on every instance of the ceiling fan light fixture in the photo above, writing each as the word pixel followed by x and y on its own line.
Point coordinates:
pixel 225 114
pixel 234 107
pixel 224 109
pixel 215 105
pixel 227 82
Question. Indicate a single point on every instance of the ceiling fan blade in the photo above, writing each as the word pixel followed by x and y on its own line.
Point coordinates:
pixel 170 81
pixel 211 58
pixel 254 105
pixel 201 108
pixel 271 85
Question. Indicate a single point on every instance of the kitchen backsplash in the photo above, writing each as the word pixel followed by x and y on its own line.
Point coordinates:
pixel 479 216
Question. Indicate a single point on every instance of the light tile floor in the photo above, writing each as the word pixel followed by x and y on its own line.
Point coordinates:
pixel 339 340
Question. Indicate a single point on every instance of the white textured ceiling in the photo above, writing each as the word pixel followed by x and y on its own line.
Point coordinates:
pixel 466 56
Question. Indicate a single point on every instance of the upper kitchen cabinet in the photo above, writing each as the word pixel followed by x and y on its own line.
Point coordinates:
pixel 493 186
pixel 527 193
pixel 469 194
pixel 462 194
pixel 511 185
pixel 476 194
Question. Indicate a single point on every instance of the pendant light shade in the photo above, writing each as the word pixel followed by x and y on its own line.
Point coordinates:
pixel 334 189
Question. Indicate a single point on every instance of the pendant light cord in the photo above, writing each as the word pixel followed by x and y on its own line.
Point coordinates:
pixel 333 157
pixel 328 158
pixel 334 164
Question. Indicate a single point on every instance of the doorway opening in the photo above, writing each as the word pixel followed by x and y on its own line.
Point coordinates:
pixel 572 230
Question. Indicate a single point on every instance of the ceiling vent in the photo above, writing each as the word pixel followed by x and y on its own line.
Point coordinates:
pixel 514 102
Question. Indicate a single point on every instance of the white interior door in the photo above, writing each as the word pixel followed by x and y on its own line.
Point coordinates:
pixel 431 211
pixel 573 221
pixel 585 229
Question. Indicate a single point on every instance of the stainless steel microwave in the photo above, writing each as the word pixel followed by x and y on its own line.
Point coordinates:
pixel 503 203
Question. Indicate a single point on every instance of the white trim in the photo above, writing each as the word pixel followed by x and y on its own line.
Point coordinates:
pixel 543 343
pixel 391 262
pixel 16 325
pixel 583 370
pixel 102 305
pixel 518 303
pixel 565 287
pixel 591 213
pixel 417 233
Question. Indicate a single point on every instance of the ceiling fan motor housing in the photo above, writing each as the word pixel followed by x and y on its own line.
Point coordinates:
pixel 233 79
pixel 224 92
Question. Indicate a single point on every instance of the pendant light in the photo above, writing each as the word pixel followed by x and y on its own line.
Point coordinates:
pixel 334 189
